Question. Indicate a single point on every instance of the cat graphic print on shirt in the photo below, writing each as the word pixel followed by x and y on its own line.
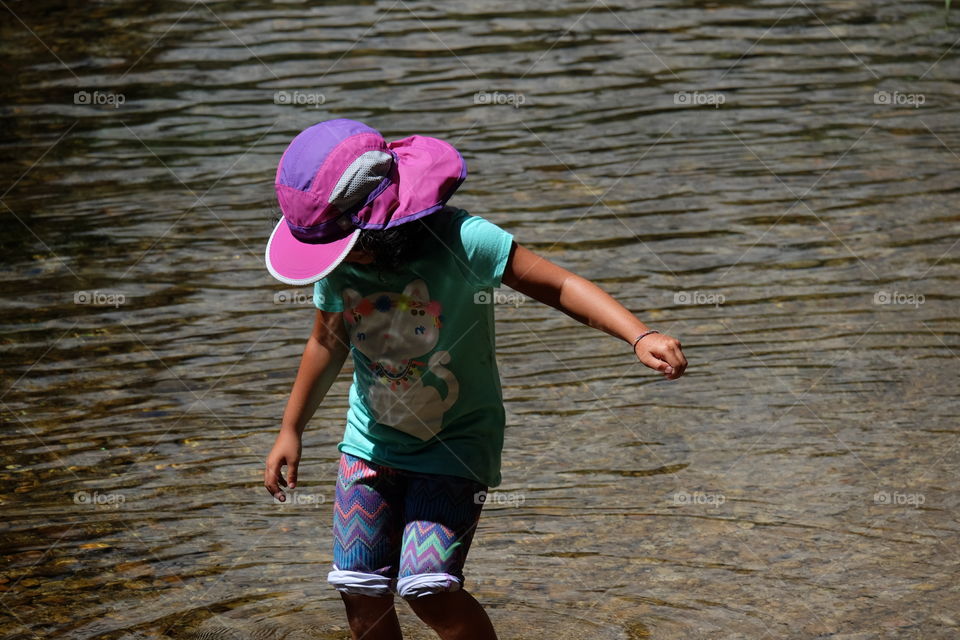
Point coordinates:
pixel 396 331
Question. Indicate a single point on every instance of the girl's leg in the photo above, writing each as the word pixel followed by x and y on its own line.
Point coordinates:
pixel 371 617
pixel 454 615
pixel 367 530
pixel 441 514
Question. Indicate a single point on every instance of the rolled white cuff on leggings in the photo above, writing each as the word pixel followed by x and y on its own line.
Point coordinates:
pixel 424 584
pixel 357 583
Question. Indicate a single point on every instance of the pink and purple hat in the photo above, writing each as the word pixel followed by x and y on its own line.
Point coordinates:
pixel 339 177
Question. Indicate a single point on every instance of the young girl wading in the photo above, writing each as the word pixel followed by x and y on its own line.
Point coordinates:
pixel 403 283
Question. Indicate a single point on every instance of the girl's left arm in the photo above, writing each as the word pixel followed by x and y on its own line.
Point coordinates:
pixel 582 300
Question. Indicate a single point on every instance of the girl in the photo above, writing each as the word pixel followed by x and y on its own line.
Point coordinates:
pixel 403 283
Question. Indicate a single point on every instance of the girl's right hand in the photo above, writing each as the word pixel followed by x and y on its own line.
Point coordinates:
pixel 286 451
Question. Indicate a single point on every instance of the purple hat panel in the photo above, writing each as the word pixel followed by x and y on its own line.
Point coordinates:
pixel 307 152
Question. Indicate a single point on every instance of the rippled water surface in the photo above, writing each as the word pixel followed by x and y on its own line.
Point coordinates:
pixel 774 183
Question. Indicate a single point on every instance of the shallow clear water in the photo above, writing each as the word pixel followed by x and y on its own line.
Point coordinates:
pixel 730 171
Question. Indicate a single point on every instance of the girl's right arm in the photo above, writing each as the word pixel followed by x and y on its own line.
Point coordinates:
pixel 323 357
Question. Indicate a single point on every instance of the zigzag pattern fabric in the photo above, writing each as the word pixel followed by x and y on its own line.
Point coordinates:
pixel 399 523
pixel 366 523
pixel 440 522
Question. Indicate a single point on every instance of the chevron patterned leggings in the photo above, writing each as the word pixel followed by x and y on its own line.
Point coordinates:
pixel 398 531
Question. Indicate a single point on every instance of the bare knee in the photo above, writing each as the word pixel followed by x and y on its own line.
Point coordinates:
pixel 434 609
pixel 434 597
pixel 368 613
pixel 454 615
pixel 443 611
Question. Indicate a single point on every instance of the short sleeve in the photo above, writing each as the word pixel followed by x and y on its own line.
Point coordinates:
pixel 326 294
pixel 486 248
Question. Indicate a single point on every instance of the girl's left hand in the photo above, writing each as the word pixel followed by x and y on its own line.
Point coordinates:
pixel 662 353
pixel 286 451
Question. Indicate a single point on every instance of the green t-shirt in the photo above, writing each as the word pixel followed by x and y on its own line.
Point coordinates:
pixel 426 391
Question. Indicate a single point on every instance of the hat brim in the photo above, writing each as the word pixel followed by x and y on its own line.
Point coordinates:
pixel 300 263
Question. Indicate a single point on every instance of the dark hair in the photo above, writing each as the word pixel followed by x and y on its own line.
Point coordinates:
pixel 394 247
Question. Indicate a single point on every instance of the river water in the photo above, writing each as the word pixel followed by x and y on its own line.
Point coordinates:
pixel 774 183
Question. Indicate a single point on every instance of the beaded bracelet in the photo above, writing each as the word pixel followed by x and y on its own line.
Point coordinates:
pixel 641 337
